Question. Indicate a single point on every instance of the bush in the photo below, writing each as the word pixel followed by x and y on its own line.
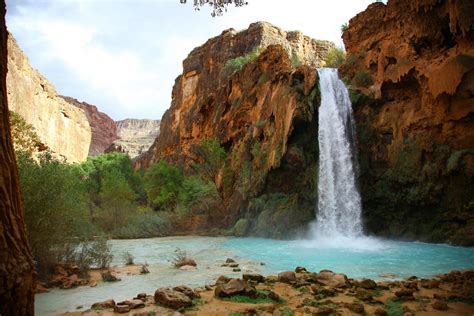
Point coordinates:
pixel 344 27
pixel 128 258
pixel 54 200
pixel 24 136
pixel 363 79
pixel 179 256
pixel 241 227
pixel 236 64
pixel 144 225
pixel 86 254
pixel 335 57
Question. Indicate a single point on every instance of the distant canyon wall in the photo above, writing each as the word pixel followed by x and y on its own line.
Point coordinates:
pixel 413 62
pixel 135 136
pixel 63 128
pixel 104 130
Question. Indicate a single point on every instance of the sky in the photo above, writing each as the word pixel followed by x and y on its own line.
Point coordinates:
pixel 124 55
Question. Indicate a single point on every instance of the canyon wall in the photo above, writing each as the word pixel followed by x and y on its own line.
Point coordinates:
pixel 63 128
pixel 411 68
pixel 104 130
pixel 263 112
pixel 135 136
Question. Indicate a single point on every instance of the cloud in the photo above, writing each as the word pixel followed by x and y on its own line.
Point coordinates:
pixel 124 55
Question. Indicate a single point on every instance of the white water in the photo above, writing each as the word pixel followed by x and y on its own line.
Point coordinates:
pixel 338 218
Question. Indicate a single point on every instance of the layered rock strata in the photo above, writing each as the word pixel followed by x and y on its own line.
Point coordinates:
pixel 135 136
pixel 61 127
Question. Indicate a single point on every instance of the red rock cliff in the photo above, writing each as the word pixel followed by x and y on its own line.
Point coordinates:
pixel 262 113
pixel 413 63
pixel 104 130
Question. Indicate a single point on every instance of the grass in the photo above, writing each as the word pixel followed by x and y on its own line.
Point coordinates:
pixel 287 312
pixel 236 64
pixel 260 299
pixel 394 308
pixel 236 314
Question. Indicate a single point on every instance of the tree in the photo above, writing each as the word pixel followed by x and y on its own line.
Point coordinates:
pixel 17 275
pixel 163 184
pixel 24 135
pixel 210 160
pixel 218 6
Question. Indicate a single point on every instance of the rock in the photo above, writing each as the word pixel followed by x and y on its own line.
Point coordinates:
pixel 230 260
pixel 93 283
pixel 57 123
pixel 380 312
pixel 141 296
pixel 274 296
pixel 262 263
pixel 440 305
pixel 322 292
pixel 173 299
pixel 186 261
pixel 135 136
pixel 144 270
pixel 300 270
pixel 398 71
pixel 79 306
pixel 287 277
pixel 134 304
pixel 412 278
pixel 367 284
pixel 355 307
pixel 208 287
pixel 429 284
pixel 363 294
pixel 103 305
pixel 271 278
pixel 122 309
pixel 109 277
pixel 324 311
pixel 405 293
pixel 236 270
pixel 41 288
pixel 222 279
pixel 187 291
pixel 254 277
pixel 235 287
pixel 188 268
pixel 233 265
pixel 331 279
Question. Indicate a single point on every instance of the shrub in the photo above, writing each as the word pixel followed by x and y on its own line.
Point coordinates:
pixel 128 258
pixel 236 64
pixel 344 27
pixel 144 225
pixel 394 308
pixel 295 60
pixel 335 57
pixel 24 136
pixel 178 257
pixel 363 79
pixel 241 227
pixel 86 254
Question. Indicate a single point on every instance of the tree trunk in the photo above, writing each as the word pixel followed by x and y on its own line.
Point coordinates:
pixel 17 276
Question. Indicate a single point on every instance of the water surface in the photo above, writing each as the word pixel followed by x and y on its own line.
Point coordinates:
pixel 361 257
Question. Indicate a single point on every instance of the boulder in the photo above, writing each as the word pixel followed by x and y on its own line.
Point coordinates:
pixel 222 280
pixel 363 294
pixel 355 307
pixel 287 277
pixel 274 296
pixel 186 261
pixel 188 268
pixel 189 292
pixel 135 303
pixel 380 312
pixel 235 287
pixel 122 309
pixel 253 277
pixel 440 305
pixel 300 270
pixel 271 278
pixel 405 293
pixel 103 305
pixel 429 284
pixel 324 311
pixel 140 296
pixel 230 260
pixel 173 299
pixel 367 284
pixel 109 277
pixel 331 279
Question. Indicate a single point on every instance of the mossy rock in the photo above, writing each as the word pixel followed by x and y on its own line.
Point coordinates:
pixel 241 227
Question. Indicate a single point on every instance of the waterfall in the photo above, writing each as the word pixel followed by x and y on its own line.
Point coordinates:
pixel 339 204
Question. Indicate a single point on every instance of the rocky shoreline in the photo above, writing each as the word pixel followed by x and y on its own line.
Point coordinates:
pixel 302 292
